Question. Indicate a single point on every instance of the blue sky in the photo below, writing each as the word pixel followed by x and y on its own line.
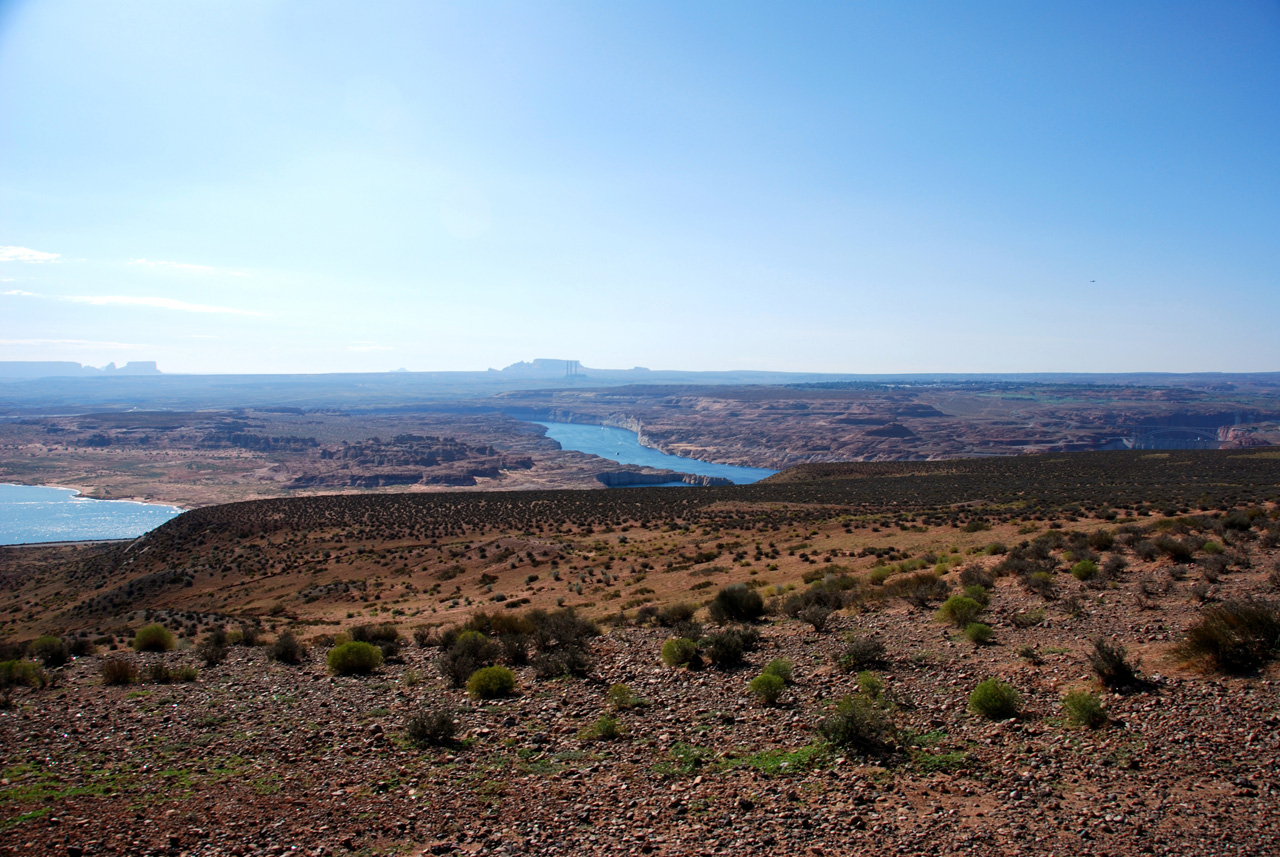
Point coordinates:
pixel 844 187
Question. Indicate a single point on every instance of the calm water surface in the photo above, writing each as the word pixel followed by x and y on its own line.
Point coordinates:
pixel 624 447
pixel 36 513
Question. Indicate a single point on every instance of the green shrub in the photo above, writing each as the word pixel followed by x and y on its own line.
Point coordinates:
pixel 286 649
pixel 782 668
pixel 736 603
pixel 50 651
pixel 18 673
pixel 354 658
pixel 491 682
pixel 153 638
pixel 185 674
pixel 158 673
pixel 431 727
pixel 1085 569
pixel 978 633
pixel 679 651
pixel 959 610
pixel 861 651
pixel 726 649
pixel 994 700
pixel 1111 664
pixel 870 685
pixel 606 728
pixel 118 671
pixel 1235 637
pixel 384 635
pixel 468 653
pixel 858 724
pixel 767 687
pixel 622 698
pixel 1084 709
pixel 978 593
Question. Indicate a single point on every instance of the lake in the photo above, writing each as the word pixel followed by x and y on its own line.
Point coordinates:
pixel 37 513
pixel 624 447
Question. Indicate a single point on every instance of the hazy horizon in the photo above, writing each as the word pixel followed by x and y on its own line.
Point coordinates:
pixel 288 187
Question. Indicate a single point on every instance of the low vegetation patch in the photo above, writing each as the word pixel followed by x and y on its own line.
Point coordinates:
pixel 995 700
pixel 491 683
pixel 354 658
pixel 153 638
pixel 1235 637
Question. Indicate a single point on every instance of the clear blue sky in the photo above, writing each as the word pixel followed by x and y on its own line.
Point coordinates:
pixel 845 187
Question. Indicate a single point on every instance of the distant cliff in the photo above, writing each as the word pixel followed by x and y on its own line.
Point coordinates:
pixel 67 369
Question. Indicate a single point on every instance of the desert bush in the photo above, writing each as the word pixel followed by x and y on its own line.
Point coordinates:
pixel 18 673
pixel 606 728
pixel 158 673
pixel 49 650
pixel 979 594
pixel 816 615
pixel 870 685
pixel 431 727
pixel 153 638
pixel 976 575
pixel 184 674
pixel 248 634
pixel 1145 550
pixel 118 671
pixel 491 682
pixel 622 698
pixel 561 642
pixel 736 603
pixel 286 649
pixel 1041 583
pixel 81 646
pixel 782 668
pixel 860 652
pixel 470 651
pixel 767 688
pixel 354 658
pixel 1234 637
pixel 1178 551
pixel 1084 709
pixel 675 614
pixel 679 651
pixel 1110 662
pixel 726 649
pixel 1085 569
pixel 959 610
pixel 384 635
pixel 1101 540
pixel 978 633
pixel 859 725
pixel 994 700
pixel 920 589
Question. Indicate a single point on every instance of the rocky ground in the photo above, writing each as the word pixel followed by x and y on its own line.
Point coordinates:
pixel 259 758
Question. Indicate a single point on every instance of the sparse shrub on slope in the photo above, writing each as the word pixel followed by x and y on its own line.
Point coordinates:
pixel 1084 709
pixel 767 688
pixel 995 700
pixel 861 651
pixel 561 642
pixel 959 610
pixel 858 724
pixel 153 638
pixel 726 649
pixel 468 653
pixel 491 682
pixel 286 649
pixel 384 635
pixel 354 658
pixel 118 671
pixel 782 668
pixel 431 727
pixel 736 603
pixel 18 673
pixel 679 651
pixel 1235 637
pixel 50 651
pixel 1110 662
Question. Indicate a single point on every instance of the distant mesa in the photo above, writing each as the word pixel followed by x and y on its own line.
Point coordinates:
pixel 66 369
pixel 545 367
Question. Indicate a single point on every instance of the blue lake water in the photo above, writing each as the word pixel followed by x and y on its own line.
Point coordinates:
pixel 35 513
pixel 624 447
